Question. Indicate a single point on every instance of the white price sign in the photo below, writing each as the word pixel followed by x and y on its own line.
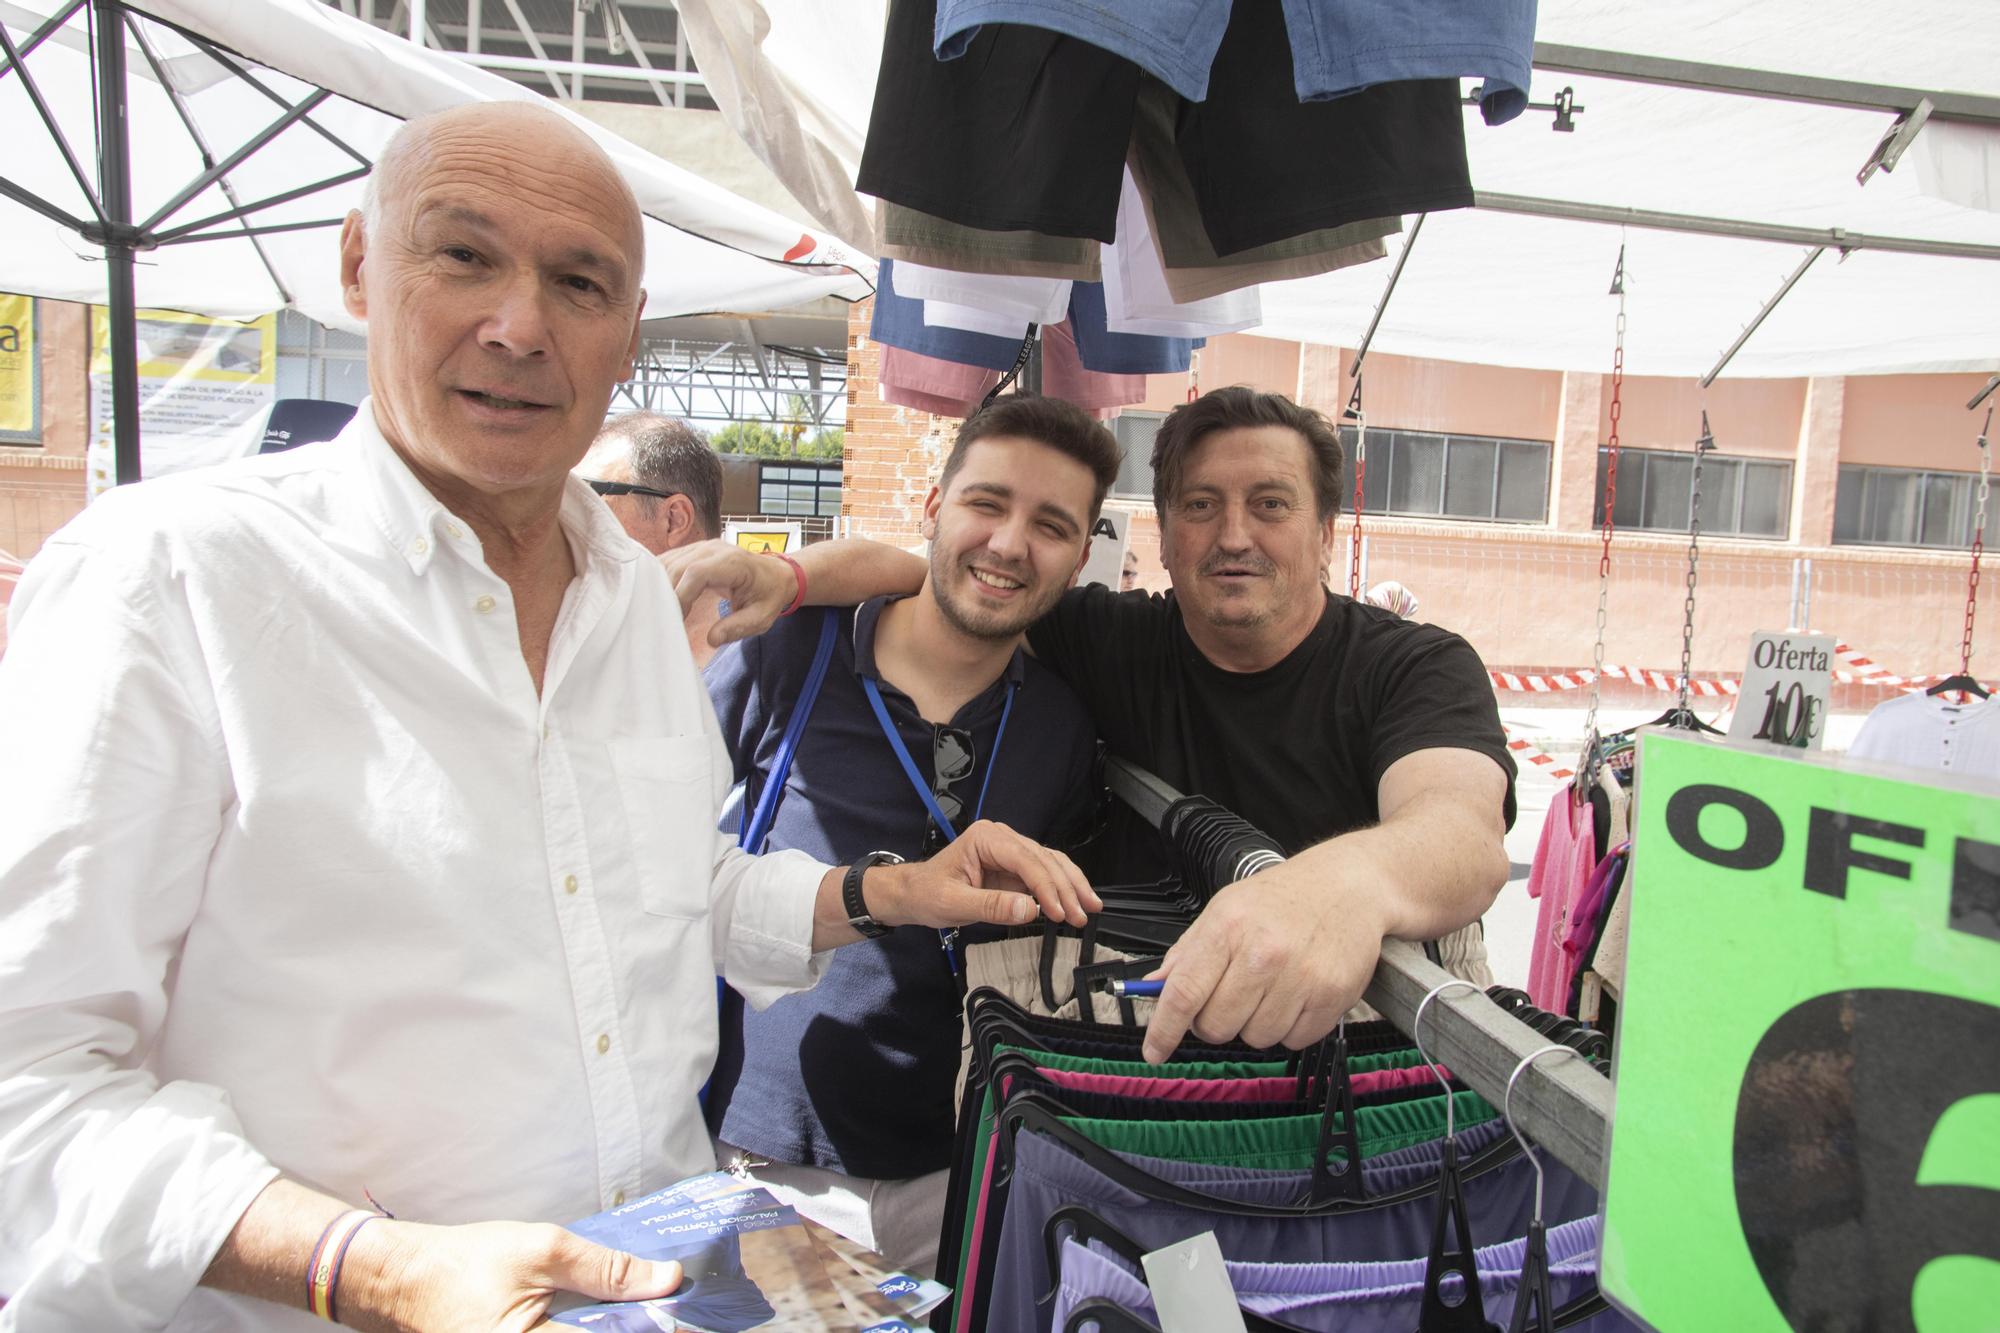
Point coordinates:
pixel 1785 688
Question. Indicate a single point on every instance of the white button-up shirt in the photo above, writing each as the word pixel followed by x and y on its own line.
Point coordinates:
pixel 298 873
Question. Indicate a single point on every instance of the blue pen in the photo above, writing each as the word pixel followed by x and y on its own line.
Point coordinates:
pixel 1138 990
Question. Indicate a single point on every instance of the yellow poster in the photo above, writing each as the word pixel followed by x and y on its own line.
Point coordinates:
pixel 777 538
pixel 20 371
pixel 204 386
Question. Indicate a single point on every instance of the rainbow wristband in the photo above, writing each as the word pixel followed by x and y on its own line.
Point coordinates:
pixel 799 573
pixel 323 1273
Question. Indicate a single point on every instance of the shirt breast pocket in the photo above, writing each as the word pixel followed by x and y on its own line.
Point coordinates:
pixel 664 785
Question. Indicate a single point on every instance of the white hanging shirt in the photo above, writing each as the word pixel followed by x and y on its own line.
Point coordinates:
pixel 1929 731
pixel 1136 299
pixel 297 872
pixel 1031 300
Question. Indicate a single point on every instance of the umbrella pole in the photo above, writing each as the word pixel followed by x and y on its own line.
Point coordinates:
pixel 114 176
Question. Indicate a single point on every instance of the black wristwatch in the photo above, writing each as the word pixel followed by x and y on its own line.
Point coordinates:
pixel 850 894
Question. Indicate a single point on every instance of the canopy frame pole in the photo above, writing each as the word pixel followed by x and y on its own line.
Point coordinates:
pixel 1564 1107
pixel 1834 238
pixel 184 232
pixel 250 233
pixel 1769 306
pixel 235 159
pixel 207 154
pixel 1983 394
pixel 17 61
pixel 1627 67
pixel 117 235
pixel 227 60
pixel 48 29
pixel 1395 275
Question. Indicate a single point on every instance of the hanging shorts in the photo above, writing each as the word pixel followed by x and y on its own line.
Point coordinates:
pixel 1029 129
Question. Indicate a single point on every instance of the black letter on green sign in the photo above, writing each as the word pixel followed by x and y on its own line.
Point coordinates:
pixel 1837 1107
pixel 1763 835
pixel 1975 888
pixel 1830 850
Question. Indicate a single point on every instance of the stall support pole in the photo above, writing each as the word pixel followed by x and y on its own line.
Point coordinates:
pixel 1562 1105
pixel 116 235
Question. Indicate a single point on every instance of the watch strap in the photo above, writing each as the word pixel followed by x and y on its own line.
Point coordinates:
pixel 851 900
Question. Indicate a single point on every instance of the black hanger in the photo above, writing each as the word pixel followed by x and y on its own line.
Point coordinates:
pixel 1468 1314
pixel 1031 1111
pixel 1106 1317
pixel 1683 719
pixel 1961 681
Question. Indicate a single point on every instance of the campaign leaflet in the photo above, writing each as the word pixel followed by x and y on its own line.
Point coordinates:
pixel 748 1263
pixel 911 1297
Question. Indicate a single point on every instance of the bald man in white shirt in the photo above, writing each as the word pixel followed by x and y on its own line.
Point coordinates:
pixel 360 807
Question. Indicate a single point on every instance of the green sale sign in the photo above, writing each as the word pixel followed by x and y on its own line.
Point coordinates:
pixel 1807 1128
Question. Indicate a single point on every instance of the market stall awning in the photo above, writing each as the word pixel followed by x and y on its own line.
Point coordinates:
pixel 707 249
pixel 1506 288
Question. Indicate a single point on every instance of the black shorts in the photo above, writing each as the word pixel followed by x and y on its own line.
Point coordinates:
pixel 1029 131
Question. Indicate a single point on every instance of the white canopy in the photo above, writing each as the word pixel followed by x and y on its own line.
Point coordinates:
pixel 1505 289
pixel 707 249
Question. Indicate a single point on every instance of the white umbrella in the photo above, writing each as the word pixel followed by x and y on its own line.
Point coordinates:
pixel 197 154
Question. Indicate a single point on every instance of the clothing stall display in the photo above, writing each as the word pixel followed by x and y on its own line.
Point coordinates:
pixel 1931 731
pixel 1055 1128
pixel 1336 48
pixel 1042 164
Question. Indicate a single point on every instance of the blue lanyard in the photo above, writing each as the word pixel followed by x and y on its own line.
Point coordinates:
pixel 924 788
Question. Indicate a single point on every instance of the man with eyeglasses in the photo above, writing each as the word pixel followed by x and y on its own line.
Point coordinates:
pixel 929 716
pixel 663 483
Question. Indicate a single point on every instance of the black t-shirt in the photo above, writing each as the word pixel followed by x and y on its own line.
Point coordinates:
pixel 1297 749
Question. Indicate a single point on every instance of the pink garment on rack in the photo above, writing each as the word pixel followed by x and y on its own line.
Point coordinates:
pixel 932 384
pixel 1229 1089
pixel 1564 859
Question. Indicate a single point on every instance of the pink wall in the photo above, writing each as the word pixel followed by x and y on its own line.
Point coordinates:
pixel 1415 394
pixel 1912 421
pixel 1756 417
pixel 1270 364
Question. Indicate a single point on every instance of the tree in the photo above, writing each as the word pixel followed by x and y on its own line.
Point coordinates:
pixel 752 438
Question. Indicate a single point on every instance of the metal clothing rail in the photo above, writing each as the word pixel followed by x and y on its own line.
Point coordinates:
pixel 1563 1106
pixel 1631 68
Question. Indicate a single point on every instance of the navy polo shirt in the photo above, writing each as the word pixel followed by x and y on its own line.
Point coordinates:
pixel 856 1074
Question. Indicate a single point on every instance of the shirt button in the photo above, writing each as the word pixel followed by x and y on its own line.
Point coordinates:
pixel 453 531
pixel 618 1199
pixel 603 1043
pixel 569 883
pixel 419 546
pixel 483 605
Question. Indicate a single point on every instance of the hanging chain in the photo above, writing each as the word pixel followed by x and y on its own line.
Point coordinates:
pixel 1360 420
pixel 1589 765
pixel 1978 546
pixel 1194 375
pixel 1701 447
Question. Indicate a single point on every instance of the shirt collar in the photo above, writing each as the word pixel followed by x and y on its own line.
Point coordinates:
pixel 416 524
pixel 869 613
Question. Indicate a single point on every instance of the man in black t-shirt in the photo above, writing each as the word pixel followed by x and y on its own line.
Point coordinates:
pixel 1368 746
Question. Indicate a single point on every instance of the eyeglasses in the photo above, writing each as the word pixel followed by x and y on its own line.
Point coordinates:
pixel 952 758
pixel 603 487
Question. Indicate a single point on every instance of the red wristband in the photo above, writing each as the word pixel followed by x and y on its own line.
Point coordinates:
pixel 799 573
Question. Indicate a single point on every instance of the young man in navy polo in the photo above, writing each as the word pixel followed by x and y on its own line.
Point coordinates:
pixel 930 716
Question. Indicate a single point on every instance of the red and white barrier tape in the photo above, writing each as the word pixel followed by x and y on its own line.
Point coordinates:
pixel 1537 757
pixel 1864 671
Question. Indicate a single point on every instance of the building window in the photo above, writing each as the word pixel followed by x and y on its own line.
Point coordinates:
pixel 1740 497
pixel 1135 432
pixel 20 371
pixel 1893 506
pixel 798 490
pixel 315 361
pixel 1453 476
